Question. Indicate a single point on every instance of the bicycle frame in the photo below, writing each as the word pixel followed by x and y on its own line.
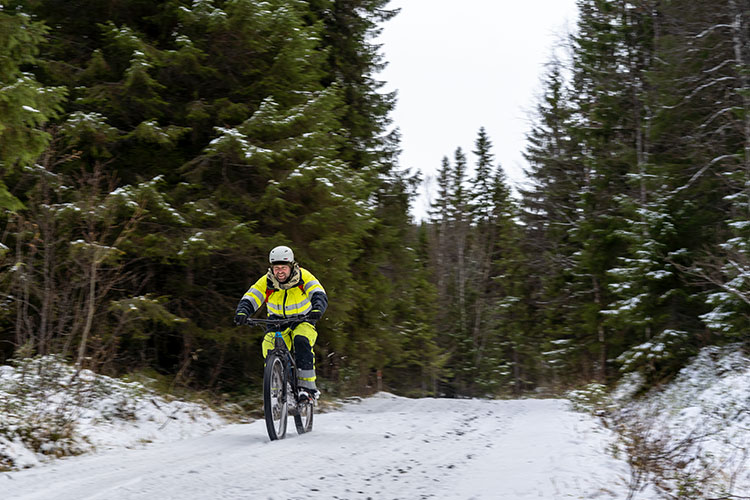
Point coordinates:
pixel 280 380
pixel 280 349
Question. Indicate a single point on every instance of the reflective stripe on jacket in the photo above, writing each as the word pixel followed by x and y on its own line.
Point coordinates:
pixel 286 303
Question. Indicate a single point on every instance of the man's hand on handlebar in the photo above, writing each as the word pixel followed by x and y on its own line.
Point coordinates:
pixel 240 318
pixel 314 315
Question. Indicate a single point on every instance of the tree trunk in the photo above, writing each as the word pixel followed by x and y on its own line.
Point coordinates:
pixel 89 313
pixel 601 334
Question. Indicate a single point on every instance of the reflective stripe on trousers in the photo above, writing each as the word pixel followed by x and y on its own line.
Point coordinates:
pixel 306 378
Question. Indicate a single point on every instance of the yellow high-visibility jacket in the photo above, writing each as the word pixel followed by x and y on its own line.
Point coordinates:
pixel 306 295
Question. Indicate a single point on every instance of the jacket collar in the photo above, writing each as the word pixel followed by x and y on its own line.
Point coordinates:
pixel 293 280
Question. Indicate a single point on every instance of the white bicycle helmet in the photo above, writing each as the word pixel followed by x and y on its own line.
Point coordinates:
pixel 281 255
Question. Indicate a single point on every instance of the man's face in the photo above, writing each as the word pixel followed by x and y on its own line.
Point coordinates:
pixel 281 271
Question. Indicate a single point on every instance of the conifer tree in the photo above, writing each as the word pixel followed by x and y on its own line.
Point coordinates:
pixel 488 207
pixel 353 61
pixel 504 342
pixel 550 211
pixel 482 185
pixel 513 321
pixel 477 263
pixel 711 111
pixel 255 124
pixel 649 300
pixel 460 221
pixel 25 104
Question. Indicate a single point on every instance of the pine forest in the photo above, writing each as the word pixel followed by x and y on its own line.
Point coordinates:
pixel 153 152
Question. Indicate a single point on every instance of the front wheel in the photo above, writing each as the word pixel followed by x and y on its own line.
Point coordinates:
pixel 275 405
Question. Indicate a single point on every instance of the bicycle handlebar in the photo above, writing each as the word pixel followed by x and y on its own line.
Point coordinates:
pixel 275 322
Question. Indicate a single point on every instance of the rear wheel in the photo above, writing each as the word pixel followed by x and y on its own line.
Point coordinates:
pixel 275 406
pixel 303 419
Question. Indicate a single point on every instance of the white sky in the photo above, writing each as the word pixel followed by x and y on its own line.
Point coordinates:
pixel 459 66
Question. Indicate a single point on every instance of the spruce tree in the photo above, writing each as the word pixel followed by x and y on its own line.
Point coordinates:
pixel 252 124
pixel 551 212
pixel 353 63
pixel 711 167
pixel 26 105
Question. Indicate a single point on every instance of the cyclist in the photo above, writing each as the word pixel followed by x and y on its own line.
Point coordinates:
pixel 289 291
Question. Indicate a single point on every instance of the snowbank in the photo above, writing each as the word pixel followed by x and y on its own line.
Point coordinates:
pixel 702 418
pixel 50 410
pixel 694 433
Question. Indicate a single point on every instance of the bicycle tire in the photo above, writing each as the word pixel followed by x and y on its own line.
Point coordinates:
pixel 275 397
pixel 303 418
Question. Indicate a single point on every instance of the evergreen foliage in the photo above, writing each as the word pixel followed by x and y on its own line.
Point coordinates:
pixel 632 161
pixel 153 152
pixel 25 104
pixel 195 136
pixel 478 269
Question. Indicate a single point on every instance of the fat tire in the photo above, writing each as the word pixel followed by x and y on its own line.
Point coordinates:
pixel 275 397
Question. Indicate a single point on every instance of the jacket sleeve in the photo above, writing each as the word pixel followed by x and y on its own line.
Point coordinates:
pixel 318 297
pixel 319 301
pixel 253 298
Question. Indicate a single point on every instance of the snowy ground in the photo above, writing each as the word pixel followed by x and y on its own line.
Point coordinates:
pixel 48 409
pixel 384 447
pixel 137 444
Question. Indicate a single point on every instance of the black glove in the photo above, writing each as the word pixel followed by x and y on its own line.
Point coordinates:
pixel 243 313
pixel 314 315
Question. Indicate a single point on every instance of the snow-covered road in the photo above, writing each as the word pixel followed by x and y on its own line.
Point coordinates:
pixel 384 447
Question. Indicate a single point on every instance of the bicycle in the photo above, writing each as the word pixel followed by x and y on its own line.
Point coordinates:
pixel 280 385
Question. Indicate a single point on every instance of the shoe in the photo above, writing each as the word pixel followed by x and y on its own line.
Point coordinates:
pixel 303 396
pixel 306 395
